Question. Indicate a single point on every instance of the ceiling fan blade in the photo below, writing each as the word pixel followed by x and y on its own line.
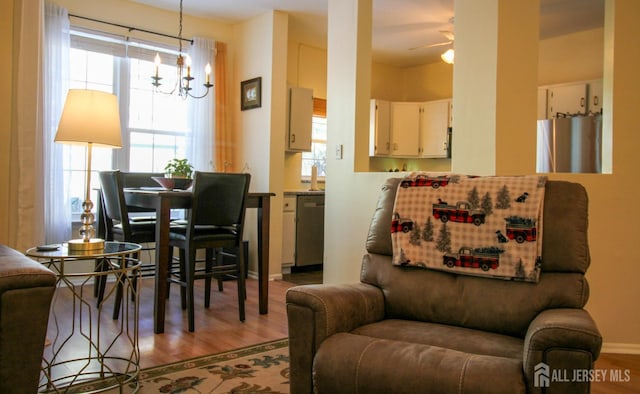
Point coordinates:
pixel 448 34
pixel 439 44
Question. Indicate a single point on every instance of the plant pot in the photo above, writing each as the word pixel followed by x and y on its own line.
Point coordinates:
pixel 173 183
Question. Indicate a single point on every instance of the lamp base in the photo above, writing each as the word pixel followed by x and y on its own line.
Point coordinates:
pixel 91 245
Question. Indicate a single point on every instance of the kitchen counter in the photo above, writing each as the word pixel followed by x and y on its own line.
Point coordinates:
pixel 302 192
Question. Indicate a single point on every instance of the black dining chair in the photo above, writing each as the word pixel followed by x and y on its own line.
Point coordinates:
pixel 214 221
pixel 120 225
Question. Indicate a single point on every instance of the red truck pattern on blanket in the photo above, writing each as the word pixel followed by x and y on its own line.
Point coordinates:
pixel 483 258
pixel 401 224
pixel 423 180
pixel 521 229
pixel 461 213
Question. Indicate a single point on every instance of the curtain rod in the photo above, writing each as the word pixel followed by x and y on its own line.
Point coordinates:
pixel 131 28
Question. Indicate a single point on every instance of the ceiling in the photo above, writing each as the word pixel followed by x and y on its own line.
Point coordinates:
pixel 398 25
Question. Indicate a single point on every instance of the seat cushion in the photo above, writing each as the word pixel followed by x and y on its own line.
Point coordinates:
pixel 350 363
pixel 204 233
pixel 143 231
pixel 457 338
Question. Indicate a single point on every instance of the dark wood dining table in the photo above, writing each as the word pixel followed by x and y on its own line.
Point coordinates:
pixel 163 201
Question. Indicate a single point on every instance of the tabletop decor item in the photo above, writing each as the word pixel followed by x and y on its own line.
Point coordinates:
pixel 89 118
pixel 177 175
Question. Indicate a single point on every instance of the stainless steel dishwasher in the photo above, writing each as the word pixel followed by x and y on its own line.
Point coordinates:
pixel 310 230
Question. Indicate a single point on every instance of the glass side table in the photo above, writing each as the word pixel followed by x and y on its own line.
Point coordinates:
pixel 98 347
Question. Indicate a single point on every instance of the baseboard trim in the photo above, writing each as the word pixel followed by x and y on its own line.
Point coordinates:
pixel 254 275
pixel 621 348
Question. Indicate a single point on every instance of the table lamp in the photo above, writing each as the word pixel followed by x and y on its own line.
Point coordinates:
pixel 89 118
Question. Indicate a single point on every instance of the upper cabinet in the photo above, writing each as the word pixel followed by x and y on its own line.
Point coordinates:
pixel 405 129
pixel 436 120
pixel 567 99
pixel 570 99
pixel 300 119
pixel 379 126
pixel 409 129
pixel 595 96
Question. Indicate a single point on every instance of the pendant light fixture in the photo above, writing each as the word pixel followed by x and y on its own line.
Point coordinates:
pixel 447 56
pixel 183 86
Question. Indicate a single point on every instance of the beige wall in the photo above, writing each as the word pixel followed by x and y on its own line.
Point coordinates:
pixel 6 34
pixel 261 51
pixel 614 271
pixel 128 12
pixel 574 57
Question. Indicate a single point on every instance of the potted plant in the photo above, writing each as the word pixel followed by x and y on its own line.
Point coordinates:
pixel 178 168
pixel 177 174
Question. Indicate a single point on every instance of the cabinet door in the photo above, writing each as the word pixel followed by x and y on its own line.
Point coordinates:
pixel 568 99
pixel 433 130
pixel 405 129
pixel 379 139
pixel 300 119
pixel 595 96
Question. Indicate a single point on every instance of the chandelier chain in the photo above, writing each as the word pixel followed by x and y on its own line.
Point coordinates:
pixel 183 88
pixel 180 28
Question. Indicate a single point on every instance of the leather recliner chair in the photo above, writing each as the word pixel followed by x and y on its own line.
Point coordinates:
pixel 26 290
pixel 414 330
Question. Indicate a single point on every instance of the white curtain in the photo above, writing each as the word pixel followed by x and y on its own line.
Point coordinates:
pixel 57 219
pixel 25 188
pixel 200 147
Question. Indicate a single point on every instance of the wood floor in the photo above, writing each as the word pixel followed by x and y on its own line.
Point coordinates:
pixel 219 329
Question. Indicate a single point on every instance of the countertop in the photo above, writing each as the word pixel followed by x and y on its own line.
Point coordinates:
pixel 302 192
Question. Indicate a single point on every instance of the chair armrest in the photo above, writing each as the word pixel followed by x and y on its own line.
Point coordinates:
pixel 315 312
pixel 561 338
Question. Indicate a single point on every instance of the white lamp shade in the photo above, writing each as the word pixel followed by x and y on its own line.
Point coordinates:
pixel 447 56
pixel 90 116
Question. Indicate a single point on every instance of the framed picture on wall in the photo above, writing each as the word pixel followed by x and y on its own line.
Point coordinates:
pixel 251 93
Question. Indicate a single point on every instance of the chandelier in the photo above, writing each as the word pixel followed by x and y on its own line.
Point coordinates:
pixel 183 74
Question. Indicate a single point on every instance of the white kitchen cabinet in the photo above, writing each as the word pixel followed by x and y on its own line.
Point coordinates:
pixel 595 96
pixel 567 99
pixel 300 119
pixel 379 128
pixel 435 120
pixel 405 129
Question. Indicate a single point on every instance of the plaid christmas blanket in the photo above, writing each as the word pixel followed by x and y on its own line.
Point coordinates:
pixel 489 226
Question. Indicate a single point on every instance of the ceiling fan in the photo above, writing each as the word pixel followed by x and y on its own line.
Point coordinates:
pixel 448 35
pixel 446 56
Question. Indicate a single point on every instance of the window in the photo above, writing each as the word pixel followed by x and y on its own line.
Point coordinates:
pixel 157 128
pixel 318 154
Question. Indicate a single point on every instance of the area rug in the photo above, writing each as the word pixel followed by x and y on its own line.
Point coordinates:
pixel 262 368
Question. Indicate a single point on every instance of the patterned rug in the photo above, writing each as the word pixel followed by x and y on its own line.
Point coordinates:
pixel 262 368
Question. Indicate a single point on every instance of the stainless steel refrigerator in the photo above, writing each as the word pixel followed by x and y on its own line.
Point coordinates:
pixel 570 144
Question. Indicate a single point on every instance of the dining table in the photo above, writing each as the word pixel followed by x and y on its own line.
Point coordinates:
pixel 163 201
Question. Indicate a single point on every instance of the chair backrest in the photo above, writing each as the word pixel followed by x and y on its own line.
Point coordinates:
pixel 140 179
pixel 113 201
pixel 219 199
pixel 490 304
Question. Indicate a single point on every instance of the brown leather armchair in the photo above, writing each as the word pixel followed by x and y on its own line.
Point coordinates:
pixel 414 330
pixel 26 290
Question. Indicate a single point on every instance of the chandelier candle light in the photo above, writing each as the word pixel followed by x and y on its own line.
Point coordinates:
pixel 183 88
pixel 89 117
